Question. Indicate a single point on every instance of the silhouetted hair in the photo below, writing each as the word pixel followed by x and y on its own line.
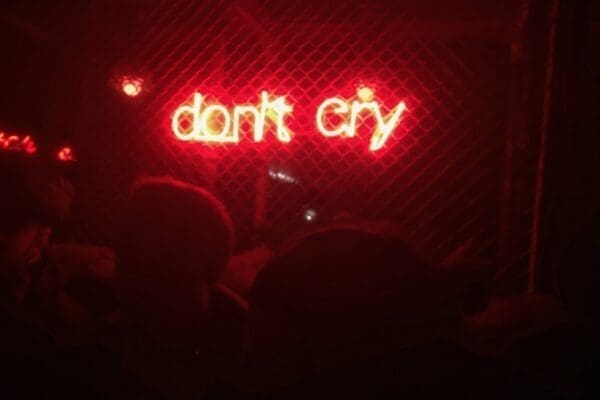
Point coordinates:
pixel 345 293
pixel 174 228
pixel 342 294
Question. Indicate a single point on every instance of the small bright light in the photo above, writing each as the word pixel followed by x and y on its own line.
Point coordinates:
pixel 365 93
pixel 281 176
pixel 132 86
pixel 310 215
pixel 65 154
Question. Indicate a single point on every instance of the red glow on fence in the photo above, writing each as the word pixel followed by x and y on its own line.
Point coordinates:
pixel 17 143
pixel 65 154
pixel 132 86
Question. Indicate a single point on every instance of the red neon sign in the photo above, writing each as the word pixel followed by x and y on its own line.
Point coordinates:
pixel 199 122
pixel 17 143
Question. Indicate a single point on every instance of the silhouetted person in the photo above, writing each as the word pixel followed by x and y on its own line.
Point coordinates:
pixel 349 312
pixel 37 273
pixel 34 365
pixel 29 204
pixel 183 329
pixel 24 229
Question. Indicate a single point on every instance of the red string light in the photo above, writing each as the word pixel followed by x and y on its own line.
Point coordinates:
pixel 17 143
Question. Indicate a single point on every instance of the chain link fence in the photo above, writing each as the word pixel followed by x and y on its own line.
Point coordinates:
pixel 440 177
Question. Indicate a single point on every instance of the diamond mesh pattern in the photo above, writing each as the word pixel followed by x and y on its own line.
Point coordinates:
pixel 439 176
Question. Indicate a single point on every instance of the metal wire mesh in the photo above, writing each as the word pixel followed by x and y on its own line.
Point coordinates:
pixel 439 177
